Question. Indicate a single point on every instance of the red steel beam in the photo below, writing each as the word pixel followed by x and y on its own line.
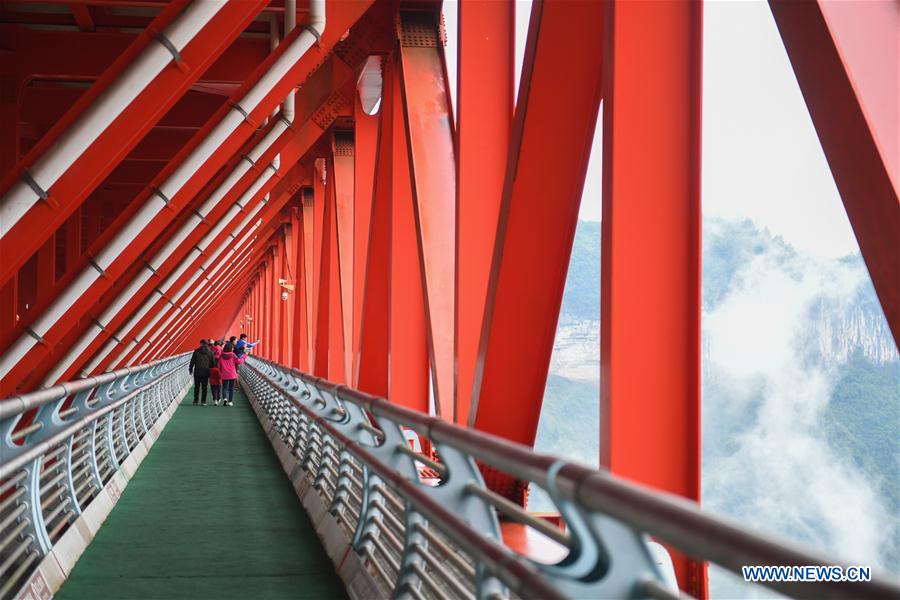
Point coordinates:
pixel 364 151
pixel 300 327
pixel 236 267
pixel 122 135
pixel 335 292
pixel 408 345
pixel 309 270
pixel 485 109
pixel 650 272
pixel 343 161
pixel 845 57
pixel 265 219
pixel 324 215
pixel 346 12
pixel 432 163
pixel 292 145
pixel 373 371
pixel 548 157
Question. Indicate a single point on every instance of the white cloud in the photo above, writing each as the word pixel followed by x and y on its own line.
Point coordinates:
pixel 764 415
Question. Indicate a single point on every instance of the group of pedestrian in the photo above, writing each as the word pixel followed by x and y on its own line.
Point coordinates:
pixel 215 364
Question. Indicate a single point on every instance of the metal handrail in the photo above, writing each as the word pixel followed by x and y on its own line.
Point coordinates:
pixel 590 501
pixel 20 403
pixel 80 435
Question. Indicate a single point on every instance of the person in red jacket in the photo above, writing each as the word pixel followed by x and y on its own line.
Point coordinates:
pixel 215 382
pixel 228 363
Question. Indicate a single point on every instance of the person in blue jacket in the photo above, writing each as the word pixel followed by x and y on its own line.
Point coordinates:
pixel 243 345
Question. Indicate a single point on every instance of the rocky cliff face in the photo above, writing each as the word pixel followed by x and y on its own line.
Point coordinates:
pixel 834 325
pixel 857 328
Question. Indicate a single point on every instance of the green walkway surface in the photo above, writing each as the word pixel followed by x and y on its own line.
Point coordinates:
pixel 209 514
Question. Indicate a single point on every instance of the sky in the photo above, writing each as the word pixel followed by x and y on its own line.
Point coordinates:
pixel 761 157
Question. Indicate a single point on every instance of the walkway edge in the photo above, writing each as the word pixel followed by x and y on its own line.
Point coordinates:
pixel 359 583
pixel 55 568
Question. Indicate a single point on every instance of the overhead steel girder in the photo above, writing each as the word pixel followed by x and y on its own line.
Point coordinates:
pixel 188 329
pixel 832 47
pixel 548 156
pixel 187 296
pixel 257 228
pixel 92 166
pixel 37 54
pixel 322 93
pixel 144 279
pixel 432 164
pixel 226 277
pixel 186 180
pixel 484 109
pixel 650 267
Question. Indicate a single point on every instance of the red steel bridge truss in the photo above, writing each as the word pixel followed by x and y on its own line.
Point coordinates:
pixel 177 170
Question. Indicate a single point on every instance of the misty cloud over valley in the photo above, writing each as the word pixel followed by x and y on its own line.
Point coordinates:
pixel 801 394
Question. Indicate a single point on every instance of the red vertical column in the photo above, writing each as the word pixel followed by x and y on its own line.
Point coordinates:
pixel 407 341
pixel 320 362
pixel 269 301
pixel 336 359
pixel 342 146
pixel 300 341
pixel 485 109
pixel 318 257
pixel 432 162
pixel 290 273
pixel 365 150
pixel 275 299
pixel 372 373
pixel 650 288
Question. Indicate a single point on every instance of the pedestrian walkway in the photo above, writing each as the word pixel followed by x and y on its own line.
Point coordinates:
pixel 209 514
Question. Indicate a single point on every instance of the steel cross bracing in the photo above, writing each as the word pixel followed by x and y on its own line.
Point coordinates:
pixel 158 187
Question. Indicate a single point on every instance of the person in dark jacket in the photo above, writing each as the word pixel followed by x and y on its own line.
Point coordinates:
pixel 201 362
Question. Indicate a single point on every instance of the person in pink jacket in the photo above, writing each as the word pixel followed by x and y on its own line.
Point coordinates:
pixel 228 363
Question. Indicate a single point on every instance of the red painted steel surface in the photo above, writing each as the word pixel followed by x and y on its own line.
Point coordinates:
pixel 548 156
pixel 407 344
pixel 432 162
pixel 485 110
pixel 650 273
pixel 845 57
pixel 365 148
pixel 90 169
pixel 420 254
pixel 344 172
pixel 372 376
